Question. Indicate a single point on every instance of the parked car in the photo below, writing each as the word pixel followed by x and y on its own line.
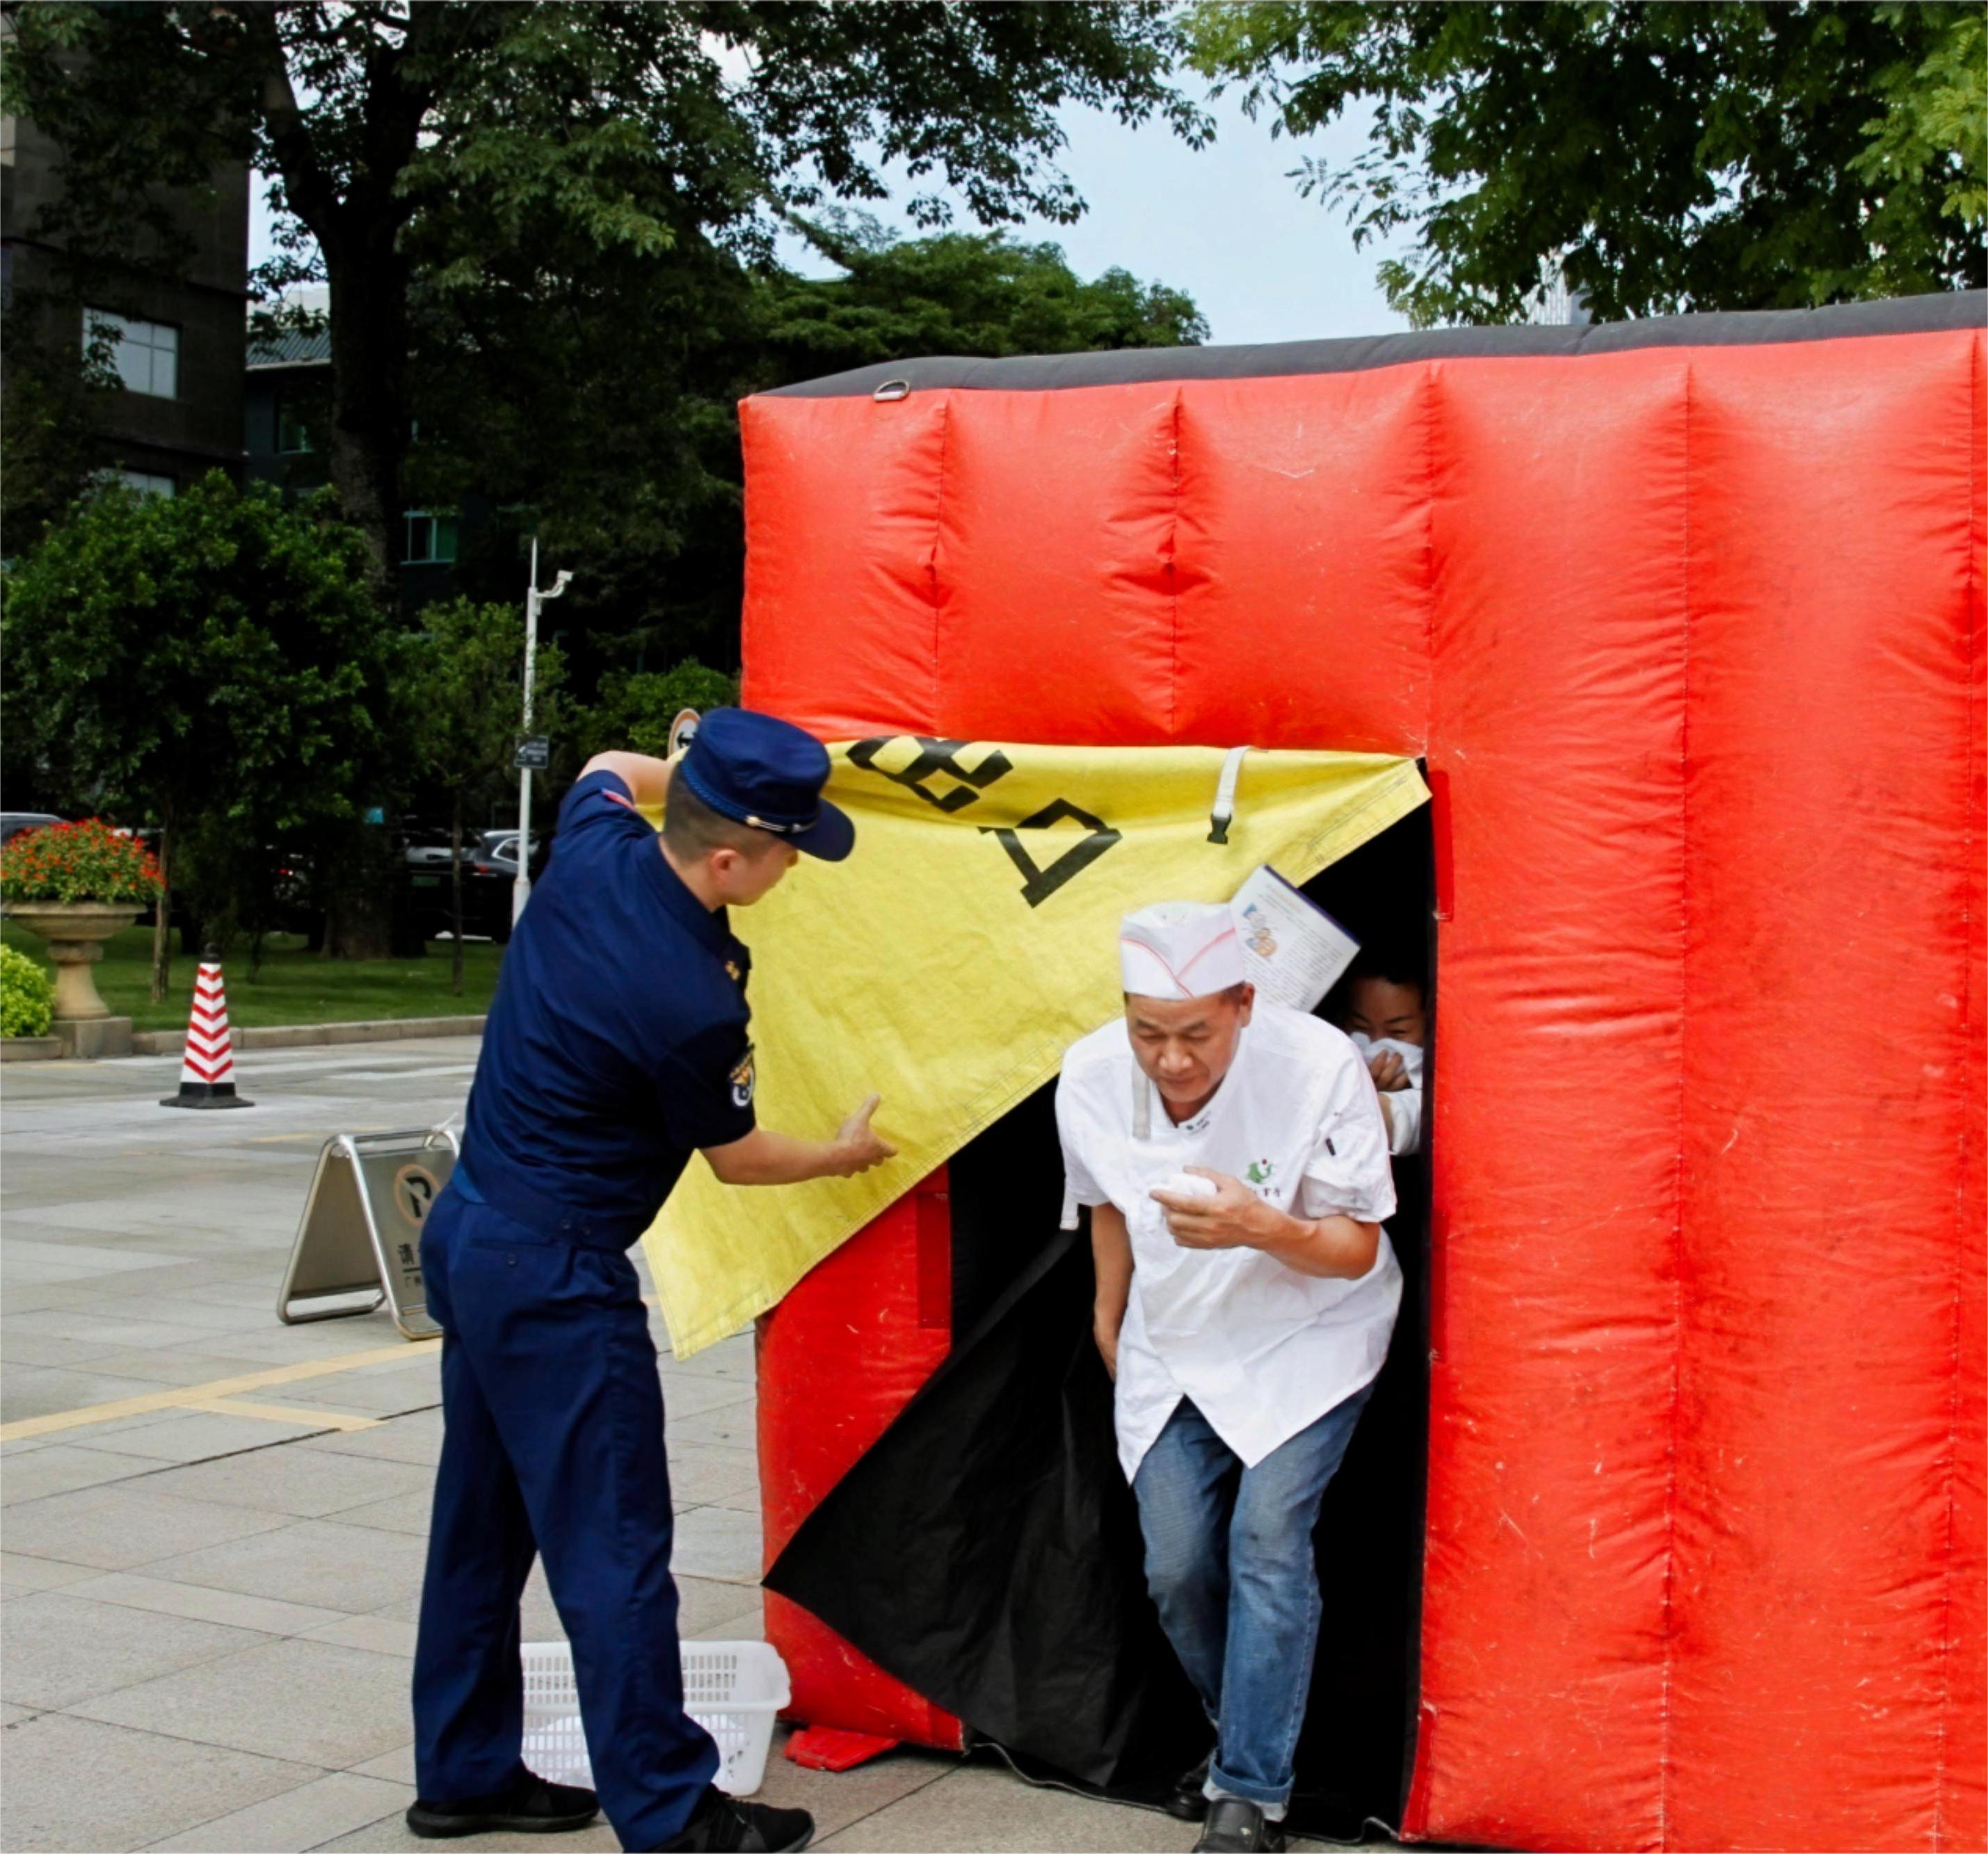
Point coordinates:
pixel 13 822
pixel 489 868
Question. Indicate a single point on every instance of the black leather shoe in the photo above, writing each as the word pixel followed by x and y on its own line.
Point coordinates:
pixel 1188 1798
pixel 1236 1827
pixel 722 1825
pixel 531 1806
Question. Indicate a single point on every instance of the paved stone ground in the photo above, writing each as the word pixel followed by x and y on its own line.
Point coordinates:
pixel 207 1613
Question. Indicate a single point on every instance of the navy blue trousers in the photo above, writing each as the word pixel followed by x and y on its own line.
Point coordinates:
pixel 552 1444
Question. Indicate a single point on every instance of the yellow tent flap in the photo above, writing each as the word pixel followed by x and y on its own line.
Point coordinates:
pixel 968 941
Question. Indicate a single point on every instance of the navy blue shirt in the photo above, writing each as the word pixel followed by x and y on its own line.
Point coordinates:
pixel 617 1045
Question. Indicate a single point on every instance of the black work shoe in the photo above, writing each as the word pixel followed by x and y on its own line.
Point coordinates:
pixel 1236 1827
pixel 722 1825
pixel 1188 1797
pixel 530 1806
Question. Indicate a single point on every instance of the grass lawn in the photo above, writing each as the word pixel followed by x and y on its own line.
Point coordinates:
pixel 294 987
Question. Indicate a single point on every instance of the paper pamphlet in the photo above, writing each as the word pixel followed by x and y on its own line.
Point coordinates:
pixel 1294 950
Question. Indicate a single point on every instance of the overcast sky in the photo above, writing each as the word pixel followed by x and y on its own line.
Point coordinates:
pixel 1225 224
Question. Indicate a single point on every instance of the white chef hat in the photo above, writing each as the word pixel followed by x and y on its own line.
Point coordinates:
pixel 1180 949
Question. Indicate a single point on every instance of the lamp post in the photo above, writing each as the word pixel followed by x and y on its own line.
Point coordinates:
pixel 521 888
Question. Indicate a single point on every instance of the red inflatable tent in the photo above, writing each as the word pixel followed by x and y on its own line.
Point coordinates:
pixel 1685 617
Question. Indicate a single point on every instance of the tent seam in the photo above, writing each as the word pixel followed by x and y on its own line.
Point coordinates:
pixel 1947 1643
pixel 931 559
pixel 1669 1609
pixel 1422 1716
pixel 1430 378
pixel 1173 582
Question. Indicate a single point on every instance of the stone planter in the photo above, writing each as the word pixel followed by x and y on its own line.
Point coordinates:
pixel 29 1048
pixel 75 931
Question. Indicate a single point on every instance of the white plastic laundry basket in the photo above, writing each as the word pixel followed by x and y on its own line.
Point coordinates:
pixel 734 1689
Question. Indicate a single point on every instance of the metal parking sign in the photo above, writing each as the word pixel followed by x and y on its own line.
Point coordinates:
pixel 534 753
pixel 359 1244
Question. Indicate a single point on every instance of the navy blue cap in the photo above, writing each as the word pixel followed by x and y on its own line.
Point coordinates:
pixel 757 769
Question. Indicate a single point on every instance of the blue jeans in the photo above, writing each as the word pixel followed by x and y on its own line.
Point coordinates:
pixel 552 1444
pixel 1229 1560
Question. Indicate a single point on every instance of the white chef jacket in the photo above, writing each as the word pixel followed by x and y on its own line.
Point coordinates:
pixel 1405 1105
pixel 1263 1350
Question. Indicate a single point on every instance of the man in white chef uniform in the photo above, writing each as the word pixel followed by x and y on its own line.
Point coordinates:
pixel 1234 1158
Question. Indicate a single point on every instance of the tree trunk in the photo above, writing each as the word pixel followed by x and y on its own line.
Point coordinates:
pixel 455 889
pixel 162 924
pixel 355 217
pixel 366 876
pixel 361 926
pixel 369 352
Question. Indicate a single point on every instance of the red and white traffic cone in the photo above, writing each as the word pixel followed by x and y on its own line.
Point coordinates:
pixel 207 1070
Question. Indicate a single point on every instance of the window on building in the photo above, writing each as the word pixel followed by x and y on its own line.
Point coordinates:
pixel 292 434
pixel 146 354
pixel 430 539
pixel 147 482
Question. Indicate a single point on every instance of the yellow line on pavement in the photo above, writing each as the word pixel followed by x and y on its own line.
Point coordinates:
pixel 190 1397
pixel 283 1412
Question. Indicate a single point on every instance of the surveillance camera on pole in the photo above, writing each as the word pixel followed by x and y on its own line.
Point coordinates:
pixel 530 752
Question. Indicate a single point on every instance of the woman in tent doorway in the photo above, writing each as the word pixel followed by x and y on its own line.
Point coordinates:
pixel 1382 1003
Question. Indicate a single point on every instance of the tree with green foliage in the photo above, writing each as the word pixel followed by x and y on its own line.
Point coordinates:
pixel 634 710
pixel 1735 156
pixel 211 663
pixel 954 293
pixel 478 169
pixel 463 694
pixel 49 412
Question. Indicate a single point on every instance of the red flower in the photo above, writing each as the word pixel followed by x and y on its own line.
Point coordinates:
pixel 84 861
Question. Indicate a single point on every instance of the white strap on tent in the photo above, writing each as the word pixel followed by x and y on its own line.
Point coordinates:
pixel 1219 818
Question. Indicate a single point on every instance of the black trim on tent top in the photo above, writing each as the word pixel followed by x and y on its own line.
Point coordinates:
pixel 1128 366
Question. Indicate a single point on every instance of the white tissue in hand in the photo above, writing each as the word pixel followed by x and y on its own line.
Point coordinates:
pixel 1186 1184
pixel 1410 1053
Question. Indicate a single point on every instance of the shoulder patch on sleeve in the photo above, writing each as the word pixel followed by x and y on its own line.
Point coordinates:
pixel 744 1080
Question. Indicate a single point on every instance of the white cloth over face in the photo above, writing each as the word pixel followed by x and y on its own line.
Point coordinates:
pixel 1180 949
pixel 1405 1105
pixel 1262 1350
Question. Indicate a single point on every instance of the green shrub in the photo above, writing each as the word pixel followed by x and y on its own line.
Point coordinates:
pixel 27 995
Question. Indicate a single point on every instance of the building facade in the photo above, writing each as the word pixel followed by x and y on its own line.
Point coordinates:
pixel 173 336
pixel 286 410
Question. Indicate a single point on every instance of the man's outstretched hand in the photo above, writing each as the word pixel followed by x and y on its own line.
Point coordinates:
pixel 859 1146
pixel 766 1158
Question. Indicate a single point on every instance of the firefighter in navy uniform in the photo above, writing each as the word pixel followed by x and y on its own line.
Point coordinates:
pixel 617 1045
